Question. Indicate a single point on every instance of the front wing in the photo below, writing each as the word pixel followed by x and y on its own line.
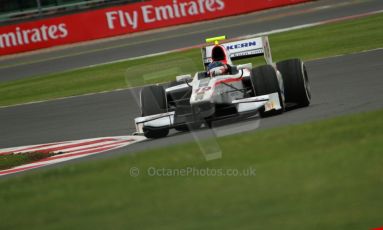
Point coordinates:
pixel 251 104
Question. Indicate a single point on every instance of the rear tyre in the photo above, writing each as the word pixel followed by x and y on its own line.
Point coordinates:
pixel 296 82
pixel 265 81
pixel 153 101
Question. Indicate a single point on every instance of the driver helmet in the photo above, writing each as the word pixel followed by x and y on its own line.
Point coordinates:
pixel 216 68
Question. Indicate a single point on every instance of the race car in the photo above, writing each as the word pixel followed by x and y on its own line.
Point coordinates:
pixel 224 90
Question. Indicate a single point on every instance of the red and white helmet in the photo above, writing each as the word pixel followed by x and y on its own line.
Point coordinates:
pixel 217 68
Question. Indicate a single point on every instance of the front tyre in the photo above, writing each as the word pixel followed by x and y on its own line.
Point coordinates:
pixel 296 82
pixel 265 81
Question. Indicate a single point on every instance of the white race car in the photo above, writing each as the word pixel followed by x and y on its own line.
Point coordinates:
pixel 224 90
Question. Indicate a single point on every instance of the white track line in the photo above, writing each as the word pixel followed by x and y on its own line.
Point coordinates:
pixel 32 148
pixel 74 152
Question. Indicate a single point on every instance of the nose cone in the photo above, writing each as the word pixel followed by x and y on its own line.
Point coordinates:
pixel 203 109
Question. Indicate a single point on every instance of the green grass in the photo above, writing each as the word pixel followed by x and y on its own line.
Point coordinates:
pixel 317 42
pixel 13 160
pixel 321 175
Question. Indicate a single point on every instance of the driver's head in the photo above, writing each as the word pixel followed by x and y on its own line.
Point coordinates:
pixel 216 68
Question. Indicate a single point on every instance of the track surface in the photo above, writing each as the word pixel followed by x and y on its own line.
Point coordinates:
pixel 340 85
pixel 179 37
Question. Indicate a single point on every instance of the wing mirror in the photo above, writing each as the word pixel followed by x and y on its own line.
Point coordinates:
pixel 184 78
pixel 245 66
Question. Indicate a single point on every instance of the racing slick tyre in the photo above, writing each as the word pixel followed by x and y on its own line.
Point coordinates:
pixel 265 81
pixel 153 101
pixel 296 82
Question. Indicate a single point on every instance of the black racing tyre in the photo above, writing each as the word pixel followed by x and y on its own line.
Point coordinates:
pixel 153 101
pixel 265 81
pixel 296 82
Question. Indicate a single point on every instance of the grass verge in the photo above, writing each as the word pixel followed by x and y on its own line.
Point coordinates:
pixel 317 42
pixel 12 160
pixel 321 175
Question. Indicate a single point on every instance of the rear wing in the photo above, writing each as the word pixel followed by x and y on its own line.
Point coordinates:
pixel 246 48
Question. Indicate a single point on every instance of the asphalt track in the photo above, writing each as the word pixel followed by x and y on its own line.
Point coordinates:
pixel 139 44
pixel 340 85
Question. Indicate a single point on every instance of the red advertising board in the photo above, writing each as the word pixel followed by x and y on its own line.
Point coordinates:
pixel 121 20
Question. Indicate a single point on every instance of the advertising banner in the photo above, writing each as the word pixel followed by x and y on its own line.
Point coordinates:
pixel 120 20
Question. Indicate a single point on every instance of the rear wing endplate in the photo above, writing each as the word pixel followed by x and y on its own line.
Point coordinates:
pixel 246 48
